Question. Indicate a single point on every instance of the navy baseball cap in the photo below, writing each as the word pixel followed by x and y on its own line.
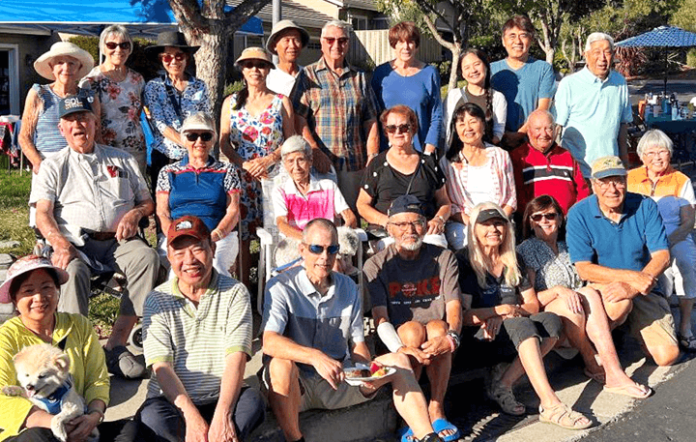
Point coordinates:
pixel 73 103
pixel 405 204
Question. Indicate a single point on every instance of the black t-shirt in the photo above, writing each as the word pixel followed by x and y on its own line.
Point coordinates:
pixel 384 184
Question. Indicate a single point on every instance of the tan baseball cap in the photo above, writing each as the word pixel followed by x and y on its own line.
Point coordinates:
pixel 608 166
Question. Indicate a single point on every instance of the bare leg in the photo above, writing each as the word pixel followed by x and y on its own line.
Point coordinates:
pixel 574 325
pixel 531 357
pixel 284 396
pixel 245 265
pixel 617 312
pixel 438 373
pixel 413 334
pixel 516 370
pixel 121 331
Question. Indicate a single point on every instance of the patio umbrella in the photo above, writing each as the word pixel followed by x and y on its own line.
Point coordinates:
pixel 662 37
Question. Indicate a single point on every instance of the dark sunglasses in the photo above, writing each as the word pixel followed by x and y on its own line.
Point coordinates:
pixel 341 41
pixel 112 45
pixel 167 58
pixel 549 216
pixel 254 64
pixel 316 249
pixel 193 136
pixel 400 129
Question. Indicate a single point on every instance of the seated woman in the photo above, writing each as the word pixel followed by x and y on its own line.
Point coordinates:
pixel 674 194
pixel 476 172
pixel 200 185
pixel 32 286
pixel 560 290
pixel 505 314
pixel 402 170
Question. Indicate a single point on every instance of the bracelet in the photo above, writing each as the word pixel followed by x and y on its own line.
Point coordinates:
pixel 219 232
pixel 456 340
pixel 453 346
pixel 442 218
pixel 101 414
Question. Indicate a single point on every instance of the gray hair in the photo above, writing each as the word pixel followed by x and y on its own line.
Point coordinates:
pixel 599 36
pixel 199 121
pixel 654 137
pixel 118 30
pixel 295 144
pixel 340 24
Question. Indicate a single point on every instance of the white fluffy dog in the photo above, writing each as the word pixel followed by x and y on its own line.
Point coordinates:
pixel 42 370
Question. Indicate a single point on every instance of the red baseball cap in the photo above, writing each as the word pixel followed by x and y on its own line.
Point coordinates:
pixel 188 225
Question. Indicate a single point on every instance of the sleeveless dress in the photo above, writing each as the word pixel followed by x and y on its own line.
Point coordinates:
pixel 47 136
pixel 254 137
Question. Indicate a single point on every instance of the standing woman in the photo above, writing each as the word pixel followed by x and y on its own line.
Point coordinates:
pixel 476 70
pixel 120 91
pixel 407 80
pixel 172 98
pixel 254 123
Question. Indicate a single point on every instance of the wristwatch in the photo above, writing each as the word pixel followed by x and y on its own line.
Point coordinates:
pixel 455 337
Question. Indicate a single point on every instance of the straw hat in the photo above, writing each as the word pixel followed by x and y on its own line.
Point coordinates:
pixel 280 27
pixel 42 64
pixel 255 53
pixel 170 39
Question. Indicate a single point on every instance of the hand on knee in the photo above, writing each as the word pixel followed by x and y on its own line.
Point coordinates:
pixel 412 334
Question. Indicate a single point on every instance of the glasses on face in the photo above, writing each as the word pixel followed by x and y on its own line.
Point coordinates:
pixel 111 45
pixel 618 182
pixel 657 153
pixel 316 249
pixel 341 41
pixel 254 64
pixel 167 58
pixel 548 216
pixel 193 136
pixel 418 224
pixel 399 129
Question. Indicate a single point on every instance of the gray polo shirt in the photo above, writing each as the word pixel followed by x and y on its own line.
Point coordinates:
pixel 294 309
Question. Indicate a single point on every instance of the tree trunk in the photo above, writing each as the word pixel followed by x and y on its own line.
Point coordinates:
pixel 211 64
pixel 456 52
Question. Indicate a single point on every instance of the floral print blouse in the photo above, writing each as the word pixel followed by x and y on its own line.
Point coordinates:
pixel 256 137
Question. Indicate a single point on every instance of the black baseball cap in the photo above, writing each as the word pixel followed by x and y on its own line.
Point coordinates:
pixel 405 204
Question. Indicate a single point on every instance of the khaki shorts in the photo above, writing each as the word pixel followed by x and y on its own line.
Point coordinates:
pixel 652 322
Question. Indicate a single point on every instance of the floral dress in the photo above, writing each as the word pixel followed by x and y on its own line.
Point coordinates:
pixel 254 137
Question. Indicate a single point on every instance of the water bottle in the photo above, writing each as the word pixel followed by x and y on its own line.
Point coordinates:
pixel 675 111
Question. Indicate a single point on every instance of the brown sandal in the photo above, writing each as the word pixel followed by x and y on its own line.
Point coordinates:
pixel 563 416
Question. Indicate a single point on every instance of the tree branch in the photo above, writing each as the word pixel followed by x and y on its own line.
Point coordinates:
pixel 428 7
pixel 241 13
pixel 436 35
pixel 188 14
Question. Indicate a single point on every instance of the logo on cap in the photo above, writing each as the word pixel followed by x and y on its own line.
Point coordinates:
pixel 184 225
pixel 72 102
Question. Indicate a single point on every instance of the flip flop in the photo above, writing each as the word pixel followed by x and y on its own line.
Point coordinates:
pixel 406 435
pixel 441 425
pixel 688 344
pixel 627 390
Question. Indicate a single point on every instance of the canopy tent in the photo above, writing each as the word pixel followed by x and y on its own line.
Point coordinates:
pixel 143 18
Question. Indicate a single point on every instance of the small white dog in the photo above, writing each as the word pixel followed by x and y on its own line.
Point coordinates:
pixel 43 372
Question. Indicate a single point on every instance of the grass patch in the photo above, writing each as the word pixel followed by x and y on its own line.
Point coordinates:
pixel 14 211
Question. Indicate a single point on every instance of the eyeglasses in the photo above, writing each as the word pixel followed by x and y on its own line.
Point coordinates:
pixel 400 129
pixel 111 45
pixel 193 136
pixel 167 58
pixel 618 182
pixel 316 249
pixel 250 64
pixel 331 40
pixel 655 153
pixel 548 216
pixel 405 225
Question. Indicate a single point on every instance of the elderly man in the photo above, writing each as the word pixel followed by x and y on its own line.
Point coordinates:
pixel 526 82
pixel 310 314
pixel 542 167
pixel 197 339
pixel 593 106
pixel 416 303
pixel 616 240
pixel 89 199
pixel 337 112
pixel 287 40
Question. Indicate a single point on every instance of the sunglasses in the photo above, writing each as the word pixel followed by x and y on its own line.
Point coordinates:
pixel 400 129
pixel 193 136
pixel 254 64
pixel 112 45
pixel 341 41
pixel 316 249
pixel 548 216
pixel 167 58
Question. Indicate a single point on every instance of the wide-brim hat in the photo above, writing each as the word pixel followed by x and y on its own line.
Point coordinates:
pixel 608 166
pixel 42 64
pixel 27 264
pixel 279 28
pixel 255 53
pixel 170 39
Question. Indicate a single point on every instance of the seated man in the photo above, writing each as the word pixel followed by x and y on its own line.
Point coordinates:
pixel 197 339
pixel 310 313
pixel 89 199
pixel 617 240
pixel 416 303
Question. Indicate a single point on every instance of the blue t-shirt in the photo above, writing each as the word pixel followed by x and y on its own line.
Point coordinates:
pixel 626 245
pixel 420 92
pixel 523 88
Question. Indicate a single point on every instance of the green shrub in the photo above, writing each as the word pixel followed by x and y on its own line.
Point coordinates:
pixel 138 59
pixel 231 88
pixel 691 58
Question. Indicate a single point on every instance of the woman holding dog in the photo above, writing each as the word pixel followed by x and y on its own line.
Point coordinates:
pixel 32 286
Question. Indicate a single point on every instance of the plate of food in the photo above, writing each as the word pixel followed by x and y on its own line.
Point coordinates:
pixel 361 373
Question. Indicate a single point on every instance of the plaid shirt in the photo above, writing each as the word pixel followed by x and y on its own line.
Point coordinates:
pixel 336 109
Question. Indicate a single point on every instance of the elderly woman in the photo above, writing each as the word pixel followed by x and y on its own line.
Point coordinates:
pixel 172 98
pixel 32 286
pixel 475 68
pixel 504 316
pixel 254 123
pixel 471 160
pixel 560 290
pixel 674 194
pixel 302 198
pixel 408 81
pixel 64 64
pixel 402 170
pixel 120 92
pixel 200 185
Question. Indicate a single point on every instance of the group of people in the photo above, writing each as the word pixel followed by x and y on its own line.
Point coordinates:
pixel 492 240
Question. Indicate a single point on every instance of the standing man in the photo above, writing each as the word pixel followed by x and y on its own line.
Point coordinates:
pixel 338 112
pixel 594 108
pixel 286 41
pixel 89 199
pixel 526 82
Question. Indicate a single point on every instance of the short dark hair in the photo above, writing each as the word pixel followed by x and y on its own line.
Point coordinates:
pixel 519 21
pixel 406 31
pixel 404 110
pixel 542 202
pixel 19 280
pixel 467 108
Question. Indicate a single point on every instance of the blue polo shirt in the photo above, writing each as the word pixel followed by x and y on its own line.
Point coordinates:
pixel 591 112
pixel 626 245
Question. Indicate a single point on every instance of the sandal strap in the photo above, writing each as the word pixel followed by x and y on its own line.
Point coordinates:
pixel 560 412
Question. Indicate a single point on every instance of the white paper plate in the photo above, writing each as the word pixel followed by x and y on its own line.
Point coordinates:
pixel 357 382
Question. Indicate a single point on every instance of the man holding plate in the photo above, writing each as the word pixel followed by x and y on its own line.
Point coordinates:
pixel 310 315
